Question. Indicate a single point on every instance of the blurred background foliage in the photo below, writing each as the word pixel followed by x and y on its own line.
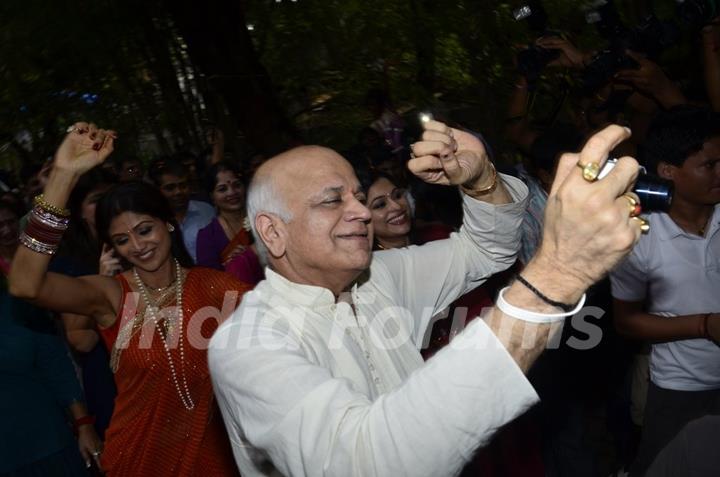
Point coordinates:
pixel 269 73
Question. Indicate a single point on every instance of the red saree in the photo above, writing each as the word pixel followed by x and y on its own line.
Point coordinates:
pixel 151 432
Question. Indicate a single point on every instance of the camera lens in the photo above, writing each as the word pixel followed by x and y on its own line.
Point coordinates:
pixel 654 192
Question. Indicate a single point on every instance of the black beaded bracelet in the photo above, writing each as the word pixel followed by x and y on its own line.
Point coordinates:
pixel 563 306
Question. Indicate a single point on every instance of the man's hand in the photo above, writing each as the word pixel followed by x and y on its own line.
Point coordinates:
pixel 570 56
pixel 650 79
pixel 588 225
pixel 448 156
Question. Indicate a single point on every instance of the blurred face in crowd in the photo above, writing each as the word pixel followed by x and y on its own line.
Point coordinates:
pixel 36 184
pixel 143 240
pixel 176 190
pixel 130 170
pixel 328 240
pixel 9 228
pixel 229 192
pixel 191 167
pixel 698 179
pixel 89 205
pixel 390 210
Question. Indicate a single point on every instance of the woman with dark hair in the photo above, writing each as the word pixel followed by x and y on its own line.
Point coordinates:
pixel 39 385
pixel 226 242
pixel 388 203
pixel 165 422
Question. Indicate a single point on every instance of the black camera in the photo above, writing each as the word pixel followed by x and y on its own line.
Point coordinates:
pixel 698 13
pixel 532 60
pixel 655 193
pixel 650 37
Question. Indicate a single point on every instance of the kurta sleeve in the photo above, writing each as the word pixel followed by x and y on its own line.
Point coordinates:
pixel 426 279
pixel 281 407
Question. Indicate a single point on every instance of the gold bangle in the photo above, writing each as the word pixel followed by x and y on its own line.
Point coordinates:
pixel 45 205
pixel 487 189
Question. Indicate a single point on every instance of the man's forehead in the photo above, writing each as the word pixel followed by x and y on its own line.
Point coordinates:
pixel 172 179
pixel 317 167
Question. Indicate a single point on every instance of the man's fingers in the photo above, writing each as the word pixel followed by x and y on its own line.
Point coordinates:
pixel 432 148
pixel 567 164
pixel 621 178
pixel 424 163
pixel 438 137
pixel 599 146
pixel 437 126
pixel 596 150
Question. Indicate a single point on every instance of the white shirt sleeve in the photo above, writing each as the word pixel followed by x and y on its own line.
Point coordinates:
pixel 280 405
pixel 433 275
pixel 629 280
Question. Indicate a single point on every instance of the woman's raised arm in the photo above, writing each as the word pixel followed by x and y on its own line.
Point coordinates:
pixel 84 147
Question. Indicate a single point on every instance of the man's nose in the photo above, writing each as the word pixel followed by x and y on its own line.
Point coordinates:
pixel 358 211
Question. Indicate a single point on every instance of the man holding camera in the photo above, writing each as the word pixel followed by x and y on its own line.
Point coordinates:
pixel 667 292
pixel 319 373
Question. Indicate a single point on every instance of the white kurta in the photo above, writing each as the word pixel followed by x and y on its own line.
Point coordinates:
pixel 308 388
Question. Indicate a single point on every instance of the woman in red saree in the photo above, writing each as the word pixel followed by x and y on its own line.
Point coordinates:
pixel 157 317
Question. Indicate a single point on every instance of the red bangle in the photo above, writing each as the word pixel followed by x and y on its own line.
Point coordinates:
pixel 83 421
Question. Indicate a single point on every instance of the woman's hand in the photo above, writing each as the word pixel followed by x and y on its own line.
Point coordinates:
pixel 84 147
pixel 238 250
pixel 109 263
pixel 90 445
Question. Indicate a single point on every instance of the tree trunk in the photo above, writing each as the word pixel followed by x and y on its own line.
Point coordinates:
pixel 219 44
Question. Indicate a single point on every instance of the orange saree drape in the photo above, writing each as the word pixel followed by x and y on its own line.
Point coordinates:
pixel 151 432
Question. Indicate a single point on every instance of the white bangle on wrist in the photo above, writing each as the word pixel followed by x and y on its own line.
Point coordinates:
pixel 532 316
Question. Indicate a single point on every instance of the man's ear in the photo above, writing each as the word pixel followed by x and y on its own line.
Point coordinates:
pixel 273 233
pixel 666 170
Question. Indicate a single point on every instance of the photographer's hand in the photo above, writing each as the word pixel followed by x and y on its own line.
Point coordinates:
pixel 570 55
pixel 650 79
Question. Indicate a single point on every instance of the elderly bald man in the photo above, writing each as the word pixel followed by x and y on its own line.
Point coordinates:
pixel 318 371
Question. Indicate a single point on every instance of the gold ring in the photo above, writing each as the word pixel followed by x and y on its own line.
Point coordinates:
pixel 630 199
pixel 590 171
pixel 635 207
pixel 644 225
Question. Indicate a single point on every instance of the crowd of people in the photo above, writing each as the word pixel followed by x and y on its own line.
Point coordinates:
pixel 407 307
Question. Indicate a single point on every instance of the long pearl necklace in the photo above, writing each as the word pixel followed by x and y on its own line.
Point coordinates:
pixel 151 309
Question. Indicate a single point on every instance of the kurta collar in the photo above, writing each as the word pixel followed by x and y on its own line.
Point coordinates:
pixel 306 295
